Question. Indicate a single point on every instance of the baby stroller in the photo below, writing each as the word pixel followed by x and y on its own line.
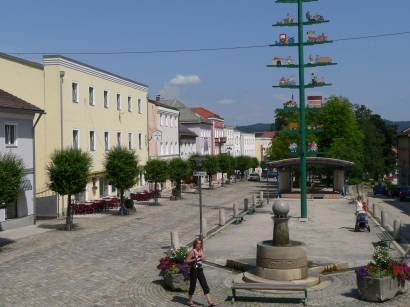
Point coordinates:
pixel 361 222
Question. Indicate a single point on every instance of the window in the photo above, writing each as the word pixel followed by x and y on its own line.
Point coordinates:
pixel 161 146
pixel 172 121
pixel 166 148
pixel 118 139
pixel 106 102
pixel 129 141
pixel 139 106
pixel 139 141
pixel 118 102
pixel 76 143
pixel 11 134
pixel 166 120
pixel 92 140
pixel 106 141
pixel 161 120
pixel 129 104
pixel 91 99
pixel 75 92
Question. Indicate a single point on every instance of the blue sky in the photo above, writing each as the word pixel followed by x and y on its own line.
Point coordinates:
pixel 235 84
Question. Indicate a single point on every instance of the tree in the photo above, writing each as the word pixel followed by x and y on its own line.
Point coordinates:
pixel 341 137
pixel 253 163
pixel 231 169
pixel 280 147
pixel 178 171
pixel 225 164
pixel 69 172
pixel 211 167
pixel 11 174
pixel 121 166
pixel 379 139
pixel 242 164
pixel 156 171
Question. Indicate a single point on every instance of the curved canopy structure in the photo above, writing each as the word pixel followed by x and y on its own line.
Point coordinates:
pixel 312 161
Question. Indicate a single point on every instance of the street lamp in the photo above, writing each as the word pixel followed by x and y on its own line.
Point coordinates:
pixel 199 160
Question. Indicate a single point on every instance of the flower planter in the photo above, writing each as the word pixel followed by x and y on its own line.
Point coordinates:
pixel 379 289
pixel 176 282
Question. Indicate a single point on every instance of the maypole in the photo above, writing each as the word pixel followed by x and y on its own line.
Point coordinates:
pixel 285 41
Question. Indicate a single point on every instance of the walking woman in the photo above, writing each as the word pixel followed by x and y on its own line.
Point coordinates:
pixel 194 259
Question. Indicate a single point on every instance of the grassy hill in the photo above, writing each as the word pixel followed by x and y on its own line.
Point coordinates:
pixel 259 127
pixel 255 128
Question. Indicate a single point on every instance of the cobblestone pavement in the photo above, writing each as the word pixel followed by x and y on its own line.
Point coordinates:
pixel 96 263
pixel 111 261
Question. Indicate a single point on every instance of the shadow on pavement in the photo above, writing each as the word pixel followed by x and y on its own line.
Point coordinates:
pixel 58 226
pixel 353 293
pixel 265 299
pixel 4 242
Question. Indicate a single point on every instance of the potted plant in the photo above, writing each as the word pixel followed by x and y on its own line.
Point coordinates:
pixel 383 278
pixel 174 270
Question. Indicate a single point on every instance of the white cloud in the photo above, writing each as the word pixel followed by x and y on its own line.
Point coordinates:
pixel 185 80
pixel 225 101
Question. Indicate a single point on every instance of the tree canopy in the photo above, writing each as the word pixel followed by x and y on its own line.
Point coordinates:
pixel 11 174
pixel 211 167
pixel 156 171
pixel 379 139
pixel 178 171
pixel 350 132
pixel 121 166
pixel 68 172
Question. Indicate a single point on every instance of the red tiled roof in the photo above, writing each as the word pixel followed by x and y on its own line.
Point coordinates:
pixel 204 113
pixel 266 134
pixel 9 101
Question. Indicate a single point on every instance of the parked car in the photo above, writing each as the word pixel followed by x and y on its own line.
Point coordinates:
pixel 380 189
pixel 254 177
pixel 394 190
pixel 404 194
pixel 272 174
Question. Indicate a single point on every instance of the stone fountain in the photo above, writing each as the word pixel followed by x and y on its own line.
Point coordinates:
pixel 281 260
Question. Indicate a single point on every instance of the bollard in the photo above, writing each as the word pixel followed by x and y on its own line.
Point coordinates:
pixel 221 217
pixel 383 219
pixel 396 229
pixel 204 228
pixel 255 198
pixel 175 244
pixel 261 196
pixel 235 211
pixel 245 204
pixel 376 212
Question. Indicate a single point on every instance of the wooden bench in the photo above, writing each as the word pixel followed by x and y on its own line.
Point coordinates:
pixel 263 286
pixel 385 239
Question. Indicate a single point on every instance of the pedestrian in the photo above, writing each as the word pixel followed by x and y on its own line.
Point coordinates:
pixel 194 259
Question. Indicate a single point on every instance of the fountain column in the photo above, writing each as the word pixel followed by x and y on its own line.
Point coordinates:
pixel 280 258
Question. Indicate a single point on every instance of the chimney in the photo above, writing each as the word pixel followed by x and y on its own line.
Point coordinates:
pixel 158 98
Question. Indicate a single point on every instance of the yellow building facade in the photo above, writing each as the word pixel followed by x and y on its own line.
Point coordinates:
pixel 87 108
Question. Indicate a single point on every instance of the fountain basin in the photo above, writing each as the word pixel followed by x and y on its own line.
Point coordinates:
pixel 281 263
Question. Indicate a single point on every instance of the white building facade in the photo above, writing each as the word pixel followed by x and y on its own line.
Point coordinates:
pixel 248 144
pixel 236 152
pixel 167 124
pixel 17 139
pixel 229 140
